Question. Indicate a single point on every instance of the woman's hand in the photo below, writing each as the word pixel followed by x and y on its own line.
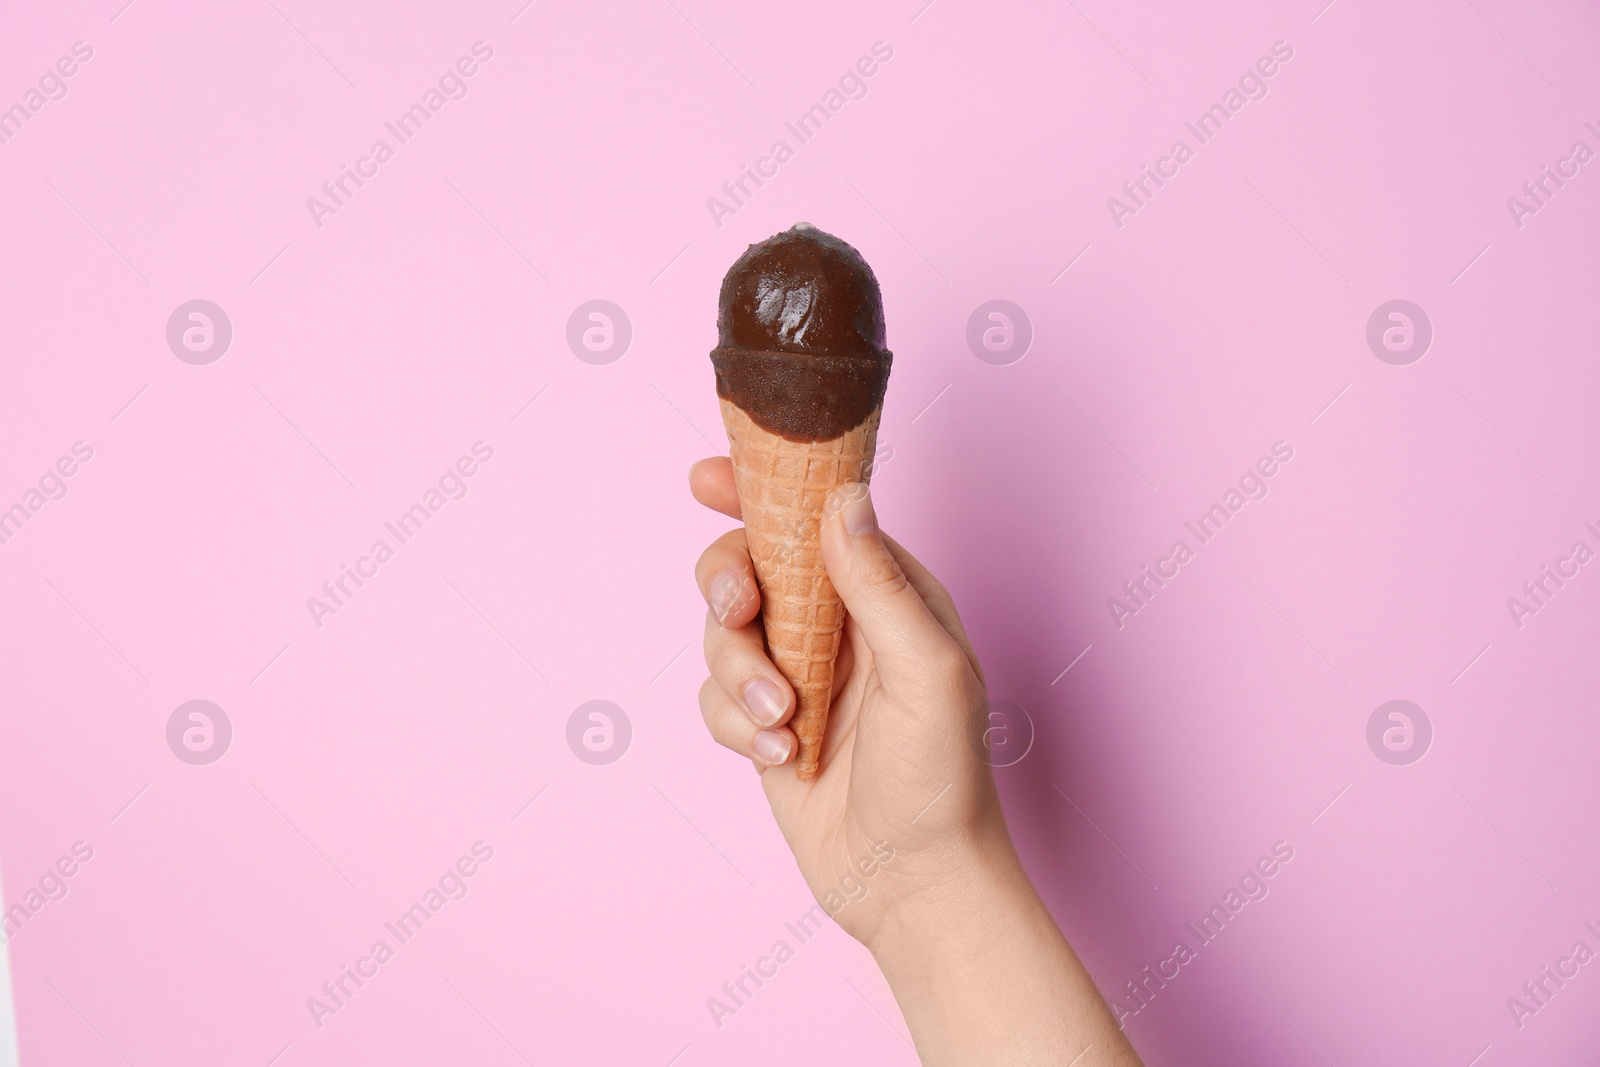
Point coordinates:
pixel 903 801
pixel 900 835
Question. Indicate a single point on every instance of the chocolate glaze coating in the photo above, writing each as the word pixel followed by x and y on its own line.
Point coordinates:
pixel 800 324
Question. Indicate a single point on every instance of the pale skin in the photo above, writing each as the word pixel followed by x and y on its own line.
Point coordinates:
pixel 981 972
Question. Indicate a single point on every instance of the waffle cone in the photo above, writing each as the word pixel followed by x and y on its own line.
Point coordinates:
pixel 783 486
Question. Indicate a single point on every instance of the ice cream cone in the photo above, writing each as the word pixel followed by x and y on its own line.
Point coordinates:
pixel 783 486
pixel 801 370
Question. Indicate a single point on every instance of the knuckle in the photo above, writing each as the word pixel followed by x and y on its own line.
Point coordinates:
pixel 879 572
pixel 708 640
pixel 725 650
pixel 710 695
pixel 720 717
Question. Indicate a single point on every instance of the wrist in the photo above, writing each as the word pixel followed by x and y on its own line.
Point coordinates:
pixel 982 974
pixel 962 891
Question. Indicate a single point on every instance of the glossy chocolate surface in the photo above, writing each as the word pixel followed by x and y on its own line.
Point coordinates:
pixel 800 325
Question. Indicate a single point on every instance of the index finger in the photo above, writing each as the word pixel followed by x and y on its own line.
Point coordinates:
pixel 711 482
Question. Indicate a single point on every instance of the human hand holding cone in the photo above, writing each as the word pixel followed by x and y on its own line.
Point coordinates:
pixel 801 372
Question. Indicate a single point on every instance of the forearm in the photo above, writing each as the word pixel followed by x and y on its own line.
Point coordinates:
pixel 983 975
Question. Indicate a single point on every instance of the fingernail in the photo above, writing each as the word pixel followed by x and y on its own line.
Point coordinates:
pixel 724 594
pixel 855 507
pixel 765 701
pixel 772 746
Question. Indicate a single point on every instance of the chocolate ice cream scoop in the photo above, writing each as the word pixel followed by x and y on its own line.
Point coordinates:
pixel 800 323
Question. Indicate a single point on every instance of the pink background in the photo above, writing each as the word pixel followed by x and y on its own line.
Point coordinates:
pixel 370 353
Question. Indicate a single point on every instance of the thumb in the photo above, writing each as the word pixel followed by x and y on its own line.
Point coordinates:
pixel 905 638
